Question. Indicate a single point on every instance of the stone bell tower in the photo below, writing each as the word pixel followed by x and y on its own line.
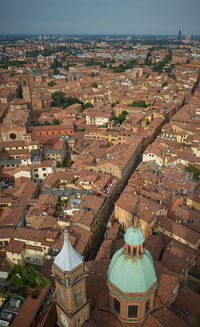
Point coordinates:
pixel 70 279
pixel 26 91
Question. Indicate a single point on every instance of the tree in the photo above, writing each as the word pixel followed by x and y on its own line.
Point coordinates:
pixel 119 119
pixel 56 71
pixel 66 67
pixel 140 104
pixel 172 76
pixel 16 270
pixel 95 85
pixel 164 84
pixel 60 100
pixel 114 104
pixel 56 121
pixel 65 163
pixel 59 200
pixel 87 105
pixel 14 74
pixel 27 277
pixel 194 170
pixel 52 83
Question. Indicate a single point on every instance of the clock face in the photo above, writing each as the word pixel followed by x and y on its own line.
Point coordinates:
pixel 64 320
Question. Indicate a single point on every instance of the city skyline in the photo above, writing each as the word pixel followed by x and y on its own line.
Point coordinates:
pixel 99 163
pixel 100 17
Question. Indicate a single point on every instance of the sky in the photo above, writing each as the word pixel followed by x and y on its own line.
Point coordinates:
pixel 100 17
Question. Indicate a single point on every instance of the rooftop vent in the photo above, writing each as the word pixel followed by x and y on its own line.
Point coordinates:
pixel 6 316
pixel 16 303
pixel 4 323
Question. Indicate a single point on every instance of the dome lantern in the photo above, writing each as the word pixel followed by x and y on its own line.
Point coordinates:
pixel 134 240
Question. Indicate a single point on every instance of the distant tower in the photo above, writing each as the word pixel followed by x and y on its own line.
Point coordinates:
pixel 188 37
pixel 70 277
pixel 26 92
pixel 179 35
pixel 132 280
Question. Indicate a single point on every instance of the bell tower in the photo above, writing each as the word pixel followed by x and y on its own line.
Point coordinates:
pixel 70 276
pixel 26 92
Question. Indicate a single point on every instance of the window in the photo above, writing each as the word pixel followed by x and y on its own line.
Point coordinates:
pixel 36 175
pixel 61 294
pixel 78 295
pixel 80 321
pixel 13 136
pixel 132 311
pixel 147 307
pixel 43 168
pixel 134 251
pixel 129 250
pixel 116 305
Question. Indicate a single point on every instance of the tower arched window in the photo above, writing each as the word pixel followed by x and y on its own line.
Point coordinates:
pixel 132 311
pixel 78 295
pixel 147 306
pixel 117 306
pixel 61 294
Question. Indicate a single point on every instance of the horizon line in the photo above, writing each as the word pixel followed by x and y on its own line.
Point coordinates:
pixel 94 34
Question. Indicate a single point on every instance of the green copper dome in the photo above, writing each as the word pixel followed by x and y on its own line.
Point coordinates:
pixel 134 236
pixel 134 274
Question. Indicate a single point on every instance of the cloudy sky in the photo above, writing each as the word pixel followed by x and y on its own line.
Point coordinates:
pixel 100 16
